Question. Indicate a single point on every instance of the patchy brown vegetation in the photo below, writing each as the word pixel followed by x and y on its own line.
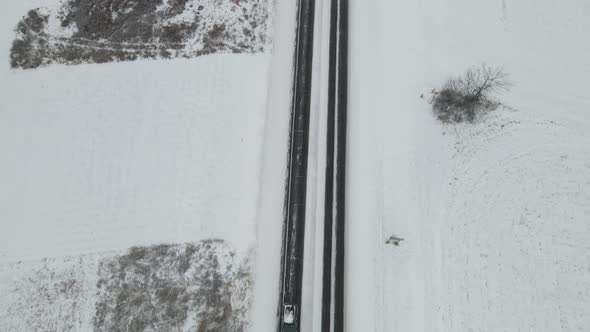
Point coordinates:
pixel 166 287
pixel 125 30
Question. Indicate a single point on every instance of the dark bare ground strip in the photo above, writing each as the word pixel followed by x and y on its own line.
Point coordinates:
pixel 126 30
pixel 200 287
pixel 166 287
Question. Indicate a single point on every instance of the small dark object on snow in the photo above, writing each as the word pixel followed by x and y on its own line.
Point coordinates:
pixel 394 240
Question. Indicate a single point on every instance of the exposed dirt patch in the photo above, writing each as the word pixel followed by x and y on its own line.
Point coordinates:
pixel 172 287
pixel 90 31
pixel 200 287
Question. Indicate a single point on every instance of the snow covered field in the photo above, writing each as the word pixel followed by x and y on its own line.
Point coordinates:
pixel 116 171
pixel 178 165
pixel 496 215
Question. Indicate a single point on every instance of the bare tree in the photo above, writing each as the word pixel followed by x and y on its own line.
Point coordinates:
pixel 463 97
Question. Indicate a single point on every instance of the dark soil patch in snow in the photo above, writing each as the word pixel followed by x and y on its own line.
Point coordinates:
pixel 172 287
pixel 90 31
pixel 196 287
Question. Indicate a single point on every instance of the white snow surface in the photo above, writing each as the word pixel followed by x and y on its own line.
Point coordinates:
pixel 495 215
pixel 100 158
